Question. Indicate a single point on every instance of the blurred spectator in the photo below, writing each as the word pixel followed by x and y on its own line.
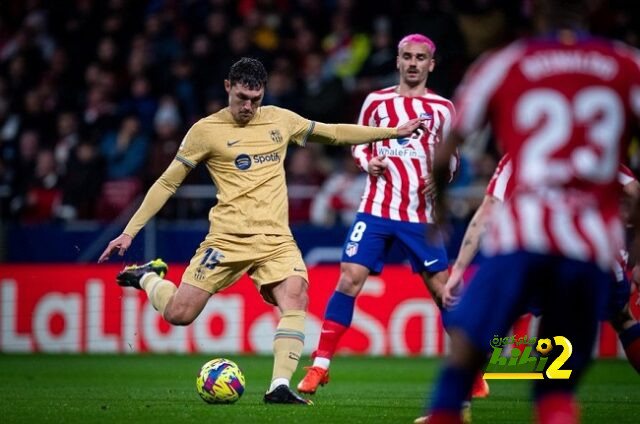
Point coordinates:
pixel 67 138
pixel 346 51
pixel 324 96
pixel 164 45
pixel 282 91
pixel 99 111
pixel 82 183
pixel 34 116
pixel 204 67
pixel 437 20
pixel 43 191
pixel 263 27
pixel 339 197
pixel 304 41
pixel 379 70
pixel 125 150
pixel 167 138
pixel 24 169
pixel 141 102
pixel 61 76
pixel 217 27
pixel 107 55
pixel 35 25
pixel 304 179
pixel 19 78
pixel 184 89
pixel 139 61
pixel 483 24
pixel 9 120
pixel 5 190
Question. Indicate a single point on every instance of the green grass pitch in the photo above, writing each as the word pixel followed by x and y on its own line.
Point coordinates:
pixel 161 389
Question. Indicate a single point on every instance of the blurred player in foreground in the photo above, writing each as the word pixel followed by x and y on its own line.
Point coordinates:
pixel 243 147
pixel 561 106
pixel 618 314
pixel 397 204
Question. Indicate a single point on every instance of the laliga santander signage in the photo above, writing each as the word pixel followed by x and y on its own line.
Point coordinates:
pixel 79 308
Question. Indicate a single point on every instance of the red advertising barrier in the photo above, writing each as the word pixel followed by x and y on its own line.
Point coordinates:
pixel 79 308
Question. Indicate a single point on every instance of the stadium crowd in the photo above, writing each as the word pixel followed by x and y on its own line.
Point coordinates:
pixel 95 96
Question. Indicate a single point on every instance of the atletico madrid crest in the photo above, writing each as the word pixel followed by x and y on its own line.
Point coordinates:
pixel 351 249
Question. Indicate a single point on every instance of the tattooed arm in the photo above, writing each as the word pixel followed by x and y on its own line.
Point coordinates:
pixel 468 250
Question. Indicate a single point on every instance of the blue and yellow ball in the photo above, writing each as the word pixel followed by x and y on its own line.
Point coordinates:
pixel 220 381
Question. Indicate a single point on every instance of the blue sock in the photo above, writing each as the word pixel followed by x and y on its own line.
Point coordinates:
pixel 629 335
pixel 453 388
pixel 340 308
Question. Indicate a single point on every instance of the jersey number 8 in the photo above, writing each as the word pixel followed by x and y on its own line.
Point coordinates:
pixel 358 231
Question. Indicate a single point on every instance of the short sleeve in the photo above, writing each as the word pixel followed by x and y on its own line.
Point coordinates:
pixel 300 128
pixel 499 184
pixel 194 148
pixel 625 175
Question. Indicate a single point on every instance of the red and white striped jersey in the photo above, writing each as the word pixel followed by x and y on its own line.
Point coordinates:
pixel 562 111
pixel 397 193
pixel 501 184
pixel 501 187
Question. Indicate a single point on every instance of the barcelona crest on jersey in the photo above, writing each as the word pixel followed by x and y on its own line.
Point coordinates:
pixel 276 136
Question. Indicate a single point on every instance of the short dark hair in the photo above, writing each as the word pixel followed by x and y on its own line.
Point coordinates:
pixel 558 14
pixel 248 72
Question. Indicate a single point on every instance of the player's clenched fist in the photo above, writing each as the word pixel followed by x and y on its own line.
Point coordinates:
pixel 377 166
pixel 120 243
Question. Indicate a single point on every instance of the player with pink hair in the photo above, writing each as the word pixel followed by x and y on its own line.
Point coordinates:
pixel 397 204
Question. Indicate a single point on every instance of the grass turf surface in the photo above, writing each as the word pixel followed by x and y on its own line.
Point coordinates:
pixel 161 389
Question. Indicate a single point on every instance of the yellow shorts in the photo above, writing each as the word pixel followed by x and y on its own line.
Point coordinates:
pixel 221 260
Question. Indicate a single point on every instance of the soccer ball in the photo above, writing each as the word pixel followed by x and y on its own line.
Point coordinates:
pixel 220 381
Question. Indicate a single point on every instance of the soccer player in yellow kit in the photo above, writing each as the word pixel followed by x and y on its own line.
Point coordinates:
pixel 243 147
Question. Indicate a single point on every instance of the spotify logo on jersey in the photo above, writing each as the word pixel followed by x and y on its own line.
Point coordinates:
pixel 243 162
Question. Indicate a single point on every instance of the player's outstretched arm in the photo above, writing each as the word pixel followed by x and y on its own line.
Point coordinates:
pixel 340 134
pixel 468 250
pixel 154 200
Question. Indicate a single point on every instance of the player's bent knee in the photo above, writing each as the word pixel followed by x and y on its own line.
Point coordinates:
pixel 351 279
pixel 300 295
pixel 178 316
pixel 292 293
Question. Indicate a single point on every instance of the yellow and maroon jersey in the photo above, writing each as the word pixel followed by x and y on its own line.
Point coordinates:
pixel 246 165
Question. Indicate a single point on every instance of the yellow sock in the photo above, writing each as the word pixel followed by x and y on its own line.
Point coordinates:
pixel 287 344
pixel 159 291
